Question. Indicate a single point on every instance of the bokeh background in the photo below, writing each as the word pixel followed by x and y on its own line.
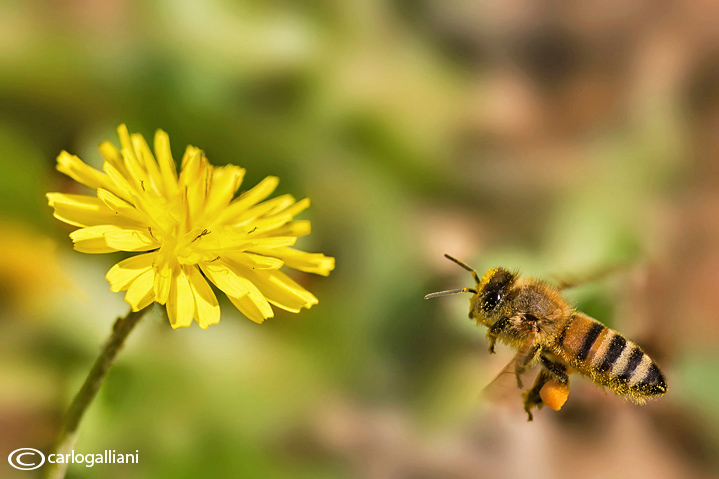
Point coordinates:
pixel 562 138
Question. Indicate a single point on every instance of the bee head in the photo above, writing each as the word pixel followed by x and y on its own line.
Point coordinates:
pixel 489 291
pixel 492 289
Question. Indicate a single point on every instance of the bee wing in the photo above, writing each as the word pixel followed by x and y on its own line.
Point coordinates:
pixel 508 369
pixel 506 382
pixel 565 281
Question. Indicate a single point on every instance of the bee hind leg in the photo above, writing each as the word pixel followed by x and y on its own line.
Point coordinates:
pixel 558 371
pixel 531 397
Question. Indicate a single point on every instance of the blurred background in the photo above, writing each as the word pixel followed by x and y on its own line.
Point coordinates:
pixel 561 138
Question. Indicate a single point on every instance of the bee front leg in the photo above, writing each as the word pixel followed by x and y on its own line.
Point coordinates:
pixel 494 330
pixel 492 340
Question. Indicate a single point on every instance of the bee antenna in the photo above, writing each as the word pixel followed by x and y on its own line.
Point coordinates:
pixel 465 266
pixel 451 291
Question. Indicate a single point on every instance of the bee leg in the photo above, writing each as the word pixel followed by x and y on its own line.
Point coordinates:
pixel 531 356
pixel 521 365
pixel 531 398
pixel 494 330
pixel 491 340
pixel 557 370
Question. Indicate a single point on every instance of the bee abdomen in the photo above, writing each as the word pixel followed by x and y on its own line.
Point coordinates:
pixel 640 374
pixel 610 359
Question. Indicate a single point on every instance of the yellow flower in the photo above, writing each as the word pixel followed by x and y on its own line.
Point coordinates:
pixel 191 229
pixel 29 269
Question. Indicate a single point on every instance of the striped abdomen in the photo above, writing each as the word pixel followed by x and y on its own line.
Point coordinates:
pixel 609 359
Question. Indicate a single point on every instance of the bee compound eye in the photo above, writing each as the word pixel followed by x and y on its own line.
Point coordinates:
pixel 492 300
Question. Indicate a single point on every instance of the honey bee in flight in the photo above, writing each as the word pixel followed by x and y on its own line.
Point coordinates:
pixel 535 319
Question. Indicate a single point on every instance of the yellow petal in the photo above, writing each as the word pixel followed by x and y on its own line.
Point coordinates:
pixel 126 239
pixel 236 239
pixel 168 170
pixel 266 208
pixel 164 266
pixel 257 261
pixel 207 309
pixel 281 291
pixel 271 242
pixel 220 238
pixel 249 198
pixel 80 210
pixel 292 305
pixel 225 182
pixel 126 271
pixel 309 262
pixel 147 160
pixel 74 167
pixel 111 154
pixel 267 226
pixel 224 278
pixel 194 181
pixel 259 301
pixel 254 306
pixel 288 288
pixel 293 228
pixel 230 277
pixel 121 208
pixel 124 135
pixel 140 293
pixel 181 301
pixel 136 174
pixel 164 214
pixel 298 207
pixel 92 239
pixel 191 165
pixel 122 188
pixel 300 260
pixel 92 246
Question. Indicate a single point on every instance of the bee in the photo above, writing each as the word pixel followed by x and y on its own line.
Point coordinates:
pixel 534 318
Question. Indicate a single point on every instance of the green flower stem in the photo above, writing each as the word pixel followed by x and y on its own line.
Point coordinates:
pixel 88 391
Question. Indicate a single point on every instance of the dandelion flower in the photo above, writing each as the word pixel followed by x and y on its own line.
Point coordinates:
pixel 188 228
